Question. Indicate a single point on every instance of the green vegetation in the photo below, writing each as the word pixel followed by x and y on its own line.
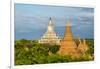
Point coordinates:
pixel 31 52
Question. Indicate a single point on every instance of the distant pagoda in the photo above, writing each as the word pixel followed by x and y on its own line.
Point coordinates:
pixel 50 37
pixel 83 47
pixel 69 46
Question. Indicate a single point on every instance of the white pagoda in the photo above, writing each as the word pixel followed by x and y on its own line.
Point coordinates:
pixel 50 37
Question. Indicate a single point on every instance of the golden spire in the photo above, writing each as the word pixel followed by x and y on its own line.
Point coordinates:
pixel 85 45
pixel 84 41
pixel 68 27
pixel 79 40
pixel 68 23
pixel 68 33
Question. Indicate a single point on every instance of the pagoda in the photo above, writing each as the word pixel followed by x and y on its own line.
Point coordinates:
pixel 68 44
pixel 50 37
pixel 83 47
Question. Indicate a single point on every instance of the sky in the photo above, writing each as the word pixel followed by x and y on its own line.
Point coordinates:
pixel 31 20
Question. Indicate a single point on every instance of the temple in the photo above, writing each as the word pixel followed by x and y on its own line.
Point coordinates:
pixel 83 47
pixel 68 45
pixel 50 37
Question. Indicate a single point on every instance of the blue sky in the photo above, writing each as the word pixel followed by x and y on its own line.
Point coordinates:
pixel 31 20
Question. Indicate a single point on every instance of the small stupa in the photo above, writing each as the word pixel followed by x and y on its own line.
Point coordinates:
pixel 83 47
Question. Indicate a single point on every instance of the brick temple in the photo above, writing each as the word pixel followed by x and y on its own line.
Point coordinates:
pixel 69 45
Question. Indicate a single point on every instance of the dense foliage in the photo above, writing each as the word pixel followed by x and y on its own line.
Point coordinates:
pixel 31 52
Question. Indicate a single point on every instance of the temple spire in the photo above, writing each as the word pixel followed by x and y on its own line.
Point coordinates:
pixel 68 33
pixel 50 21
pixel 50 18
pixel 83 47
pixel 79 40
pixel 68 23
pixel 50 25
pixel 84 41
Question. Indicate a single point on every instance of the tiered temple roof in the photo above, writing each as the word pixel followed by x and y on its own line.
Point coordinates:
pixel 50 37
pixel 68 45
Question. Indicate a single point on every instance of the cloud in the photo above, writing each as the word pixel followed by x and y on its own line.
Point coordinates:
pixel 35 18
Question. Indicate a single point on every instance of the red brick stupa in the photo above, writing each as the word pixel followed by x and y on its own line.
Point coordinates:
pixel 68 45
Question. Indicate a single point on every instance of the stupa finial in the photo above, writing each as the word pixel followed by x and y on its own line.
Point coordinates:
pixel 50 18
pixel 68 23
